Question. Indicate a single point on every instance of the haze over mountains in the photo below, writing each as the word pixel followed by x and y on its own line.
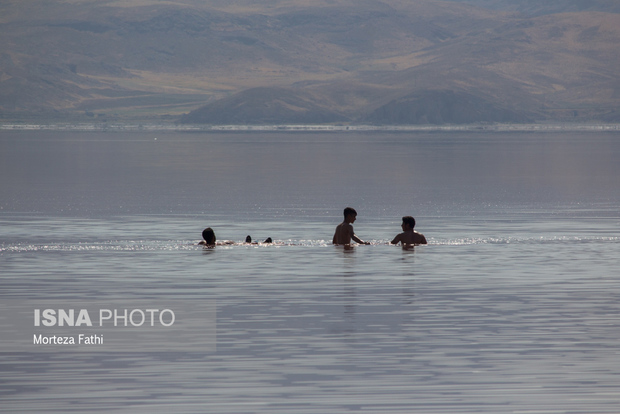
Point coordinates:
pixel 327 61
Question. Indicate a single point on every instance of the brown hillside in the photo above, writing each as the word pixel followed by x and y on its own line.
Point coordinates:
pixel 343 58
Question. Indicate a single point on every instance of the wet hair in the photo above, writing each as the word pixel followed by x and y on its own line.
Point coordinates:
pixel 248 239
pixel 409 220
pixel 350 210
pixel 208 235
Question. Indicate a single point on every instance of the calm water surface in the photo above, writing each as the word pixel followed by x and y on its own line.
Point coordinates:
pixel 513 307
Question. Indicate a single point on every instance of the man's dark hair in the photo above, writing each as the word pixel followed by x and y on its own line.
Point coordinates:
pixel 209 235
pixel 409 220
pixel 350 210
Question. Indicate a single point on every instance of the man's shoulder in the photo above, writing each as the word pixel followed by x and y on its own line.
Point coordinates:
pixel 419 237
pixel 398 238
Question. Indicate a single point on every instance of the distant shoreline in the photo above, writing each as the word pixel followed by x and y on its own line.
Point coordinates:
pixel 105 127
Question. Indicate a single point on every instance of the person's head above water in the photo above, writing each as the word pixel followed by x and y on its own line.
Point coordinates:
pixel 208 235
pixel 349 211
pixel 410 221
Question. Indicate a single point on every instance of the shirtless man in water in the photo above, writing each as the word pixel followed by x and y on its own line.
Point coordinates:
pixel 409 237
pixel 344 231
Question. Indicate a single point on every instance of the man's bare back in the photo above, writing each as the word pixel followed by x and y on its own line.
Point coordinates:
pixel 409 237
pixel 344 233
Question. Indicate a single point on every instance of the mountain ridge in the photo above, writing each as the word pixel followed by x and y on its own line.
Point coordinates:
pixel 333 62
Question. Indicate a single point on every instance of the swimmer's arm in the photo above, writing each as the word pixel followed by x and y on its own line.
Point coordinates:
pixel 358 240
pixel 423 241
pixel 353 236
pixel 396 239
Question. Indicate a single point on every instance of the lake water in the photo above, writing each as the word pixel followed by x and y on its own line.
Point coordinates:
pixel 512 307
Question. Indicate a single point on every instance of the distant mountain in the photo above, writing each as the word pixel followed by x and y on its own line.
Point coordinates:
pixel 442 107
pixel 242 61
pixel 264 106
pixel 541 7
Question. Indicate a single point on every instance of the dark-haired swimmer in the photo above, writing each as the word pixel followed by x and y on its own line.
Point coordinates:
pixel 208 236
pixel 409 237
pixel 210 240
pixel 344 231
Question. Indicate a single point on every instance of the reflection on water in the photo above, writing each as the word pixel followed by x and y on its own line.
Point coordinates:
pixel 267 175
pixel 512 307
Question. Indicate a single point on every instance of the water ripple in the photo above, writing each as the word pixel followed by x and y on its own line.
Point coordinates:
pixel 187 245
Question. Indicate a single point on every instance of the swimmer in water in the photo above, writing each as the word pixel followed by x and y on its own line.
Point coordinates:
pixel 208 236
pixel 344 231
pixel 409 237
pixel 209 239
pixel 268 240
